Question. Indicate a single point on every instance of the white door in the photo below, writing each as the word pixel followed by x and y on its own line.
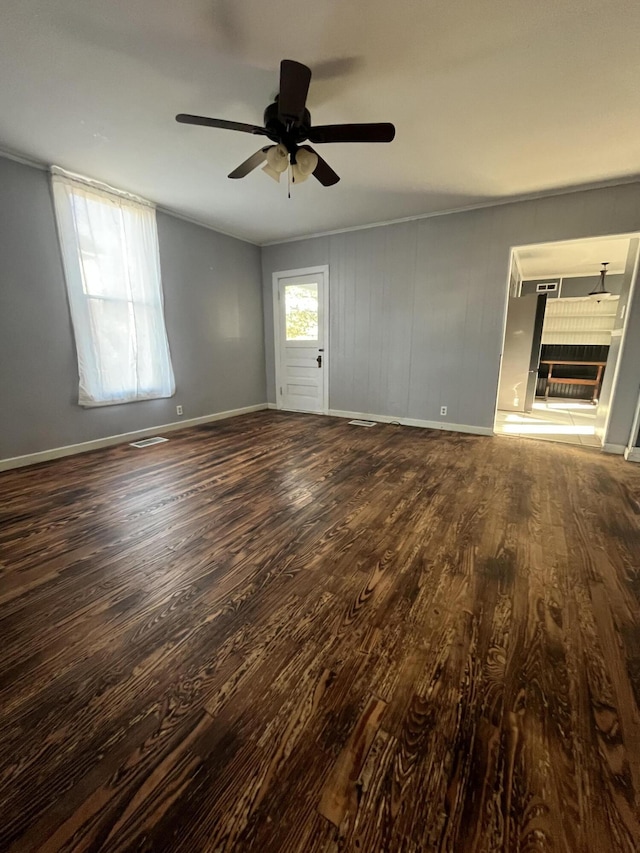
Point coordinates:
pixel 300 303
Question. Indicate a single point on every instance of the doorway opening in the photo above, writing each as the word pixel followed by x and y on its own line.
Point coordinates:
pixel 563 338
pixel 301 339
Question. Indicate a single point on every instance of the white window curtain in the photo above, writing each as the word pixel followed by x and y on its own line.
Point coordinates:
pixel 110 252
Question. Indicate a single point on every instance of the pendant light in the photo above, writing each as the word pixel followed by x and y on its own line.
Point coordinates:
pixel 600 292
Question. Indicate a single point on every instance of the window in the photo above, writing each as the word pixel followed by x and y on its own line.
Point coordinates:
pixel 301 312
pixel 109 247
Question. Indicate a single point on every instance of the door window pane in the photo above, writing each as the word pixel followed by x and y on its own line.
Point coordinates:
pixel 301 312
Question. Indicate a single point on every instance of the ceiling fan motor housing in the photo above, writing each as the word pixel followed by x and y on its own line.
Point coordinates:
pixel 290 136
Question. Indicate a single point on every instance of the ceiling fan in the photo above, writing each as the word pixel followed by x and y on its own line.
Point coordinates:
pixel 287 123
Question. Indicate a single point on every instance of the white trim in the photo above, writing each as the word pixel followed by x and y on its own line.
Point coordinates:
pixel 633 435
pixel 632 454
pixel 515 264
pixel 122 438
pixel 24 159
pixel 411 422
pixel 618 449
pixel 598 185
pixel 323 270
pixel 505 312
pixel 623 340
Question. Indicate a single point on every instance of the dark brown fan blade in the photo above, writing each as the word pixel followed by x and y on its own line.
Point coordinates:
pixel 184 118
pixel 294 85
pixel 382 132
pixel 323 171
pixel 250 163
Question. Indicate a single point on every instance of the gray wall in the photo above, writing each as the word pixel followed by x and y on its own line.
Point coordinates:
pixel 417 308
pixel 213 310
pixel 584 285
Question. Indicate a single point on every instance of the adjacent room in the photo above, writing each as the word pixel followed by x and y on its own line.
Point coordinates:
pixel 564 327
pixel 320 430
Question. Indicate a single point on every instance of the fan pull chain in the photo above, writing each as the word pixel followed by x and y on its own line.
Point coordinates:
pixel 289 170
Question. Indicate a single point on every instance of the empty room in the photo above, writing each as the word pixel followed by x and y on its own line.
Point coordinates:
pixel 289 295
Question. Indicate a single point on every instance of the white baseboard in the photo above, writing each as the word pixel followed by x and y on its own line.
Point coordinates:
pixel 107 441
pixel 614 448
pixel 632 454
pixel 413 422
pixel 272 405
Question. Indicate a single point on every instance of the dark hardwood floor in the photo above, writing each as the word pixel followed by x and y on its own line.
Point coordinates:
pixel 284 634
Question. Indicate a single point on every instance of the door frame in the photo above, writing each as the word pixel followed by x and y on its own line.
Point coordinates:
pixel 505 309
pixel 623 341
pixel 323 270
pixel 632 453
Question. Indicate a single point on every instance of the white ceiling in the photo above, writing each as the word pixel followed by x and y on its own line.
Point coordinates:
pixel 490 100
pixel 574 258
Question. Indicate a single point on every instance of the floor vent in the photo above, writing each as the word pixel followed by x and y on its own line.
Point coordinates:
pixel 363 423
pixel 147 442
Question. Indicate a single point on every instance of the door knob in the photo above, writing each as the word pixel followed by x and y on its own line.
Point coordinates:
pixel 319 360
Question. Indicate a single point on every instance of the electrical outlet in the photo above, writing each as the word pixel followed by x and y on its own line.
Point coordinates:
pixel 443 410
pixel 178 410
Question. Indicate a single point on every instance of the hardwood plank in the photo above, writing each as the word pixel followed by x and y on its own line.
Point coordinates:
pixel 340 788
